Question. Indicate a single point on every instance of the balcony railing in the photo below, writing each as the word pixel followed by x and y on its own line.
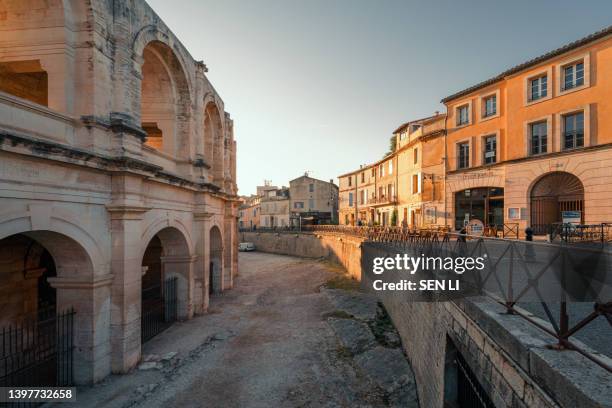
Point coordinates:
pixel 384 199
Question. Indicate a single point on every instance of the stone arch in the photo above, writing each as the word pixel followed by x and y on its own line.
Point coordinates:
pixel 75 285
pixel 168 255
pixel 28 222
pixel 215 266
pixel 165 98
pixel 550 195
pixel 214 147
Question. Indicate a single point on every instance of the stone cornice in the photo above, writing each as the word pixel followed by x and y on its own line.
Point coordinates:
pixel 202 215
pixel 126 212
pixel 81 283
pixel 80 157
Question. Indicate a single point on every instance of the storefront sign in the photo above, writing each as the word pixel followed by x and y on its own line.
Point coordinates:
pixel 475 227
pixel 571 217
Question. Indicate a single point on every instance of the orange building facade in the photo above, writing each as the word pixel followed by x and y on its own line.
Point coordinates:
pixel 533 146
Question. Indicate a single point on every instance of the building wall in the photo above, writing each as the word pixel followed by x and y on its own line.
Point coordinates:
pixel 347 199
pixel 323 198
pixel 274 212
pixel 517 169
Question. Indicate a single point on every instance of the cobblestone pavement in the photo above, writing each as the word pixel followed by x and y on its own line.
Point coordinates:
pixel 269 342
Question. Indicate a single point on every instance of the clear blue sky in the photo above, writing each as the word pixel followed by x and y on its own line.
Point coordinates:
pixel 319 85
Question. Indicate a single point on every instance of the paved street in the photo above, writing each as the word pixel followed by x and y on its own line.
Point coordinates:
pixel 265 343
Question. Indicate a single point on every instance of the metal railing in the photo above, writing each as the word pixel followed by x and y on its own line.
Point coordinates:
pixel 159 308
pixel 518 268
pixel 38 351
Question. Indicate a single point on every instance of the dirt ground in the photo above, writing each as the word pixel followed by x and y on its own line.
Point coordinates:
pixel 266 343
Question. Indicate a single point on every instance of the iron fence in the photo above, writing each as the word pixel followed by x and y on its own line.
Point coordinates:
pixel 470 393
pixel 159 308
pixel 522 271
pixel 38 351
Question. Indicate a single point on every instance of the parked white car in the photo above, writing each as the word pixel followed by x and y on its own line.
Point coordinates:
pixel 246 246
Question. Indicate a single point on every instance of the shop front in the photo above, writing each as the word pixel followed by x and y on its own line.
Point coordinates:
pixel 479 205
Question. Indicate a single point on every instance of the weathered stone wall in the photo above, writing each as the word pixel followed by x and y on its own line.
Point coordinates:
pixel 344 250
pixel 78 177
pixel 509 356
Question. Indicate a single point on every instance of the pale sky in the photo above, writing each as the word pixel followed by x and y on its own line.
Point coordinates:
pixel 319 85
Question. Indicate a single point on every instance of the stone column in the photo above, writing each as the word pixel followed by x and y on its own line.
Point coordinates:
pixel 126 214
pixel 90 299
pixel 202 250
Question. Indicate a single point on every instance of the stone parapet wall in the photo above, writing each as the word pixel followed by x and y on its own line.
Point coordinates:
pixel 510 357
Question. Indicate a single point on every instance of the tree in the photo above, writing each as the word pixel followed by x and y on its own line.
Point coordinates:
pixel 392 145
pixel 394 218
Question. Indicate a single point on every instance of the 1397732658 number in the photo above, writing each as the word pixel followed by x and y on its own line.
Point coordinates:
pixel 8 394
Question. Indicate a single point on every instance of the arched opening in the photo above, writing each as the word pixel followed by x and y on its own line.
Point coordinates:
pixel 165 101
pixel 554 195
pixel 25 79
pixel 38 325
pixel 213 142
pixel 166 272
pixel 480 207
pixel 215 268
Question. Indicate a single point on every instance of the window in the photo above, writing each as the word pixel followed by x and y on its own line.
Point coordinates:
pixel 539 138
pixel 381 171
pixel 381 192
pixel 573 130
pixel 463 155
pixel 416 155
pixel 538 88
pixel 490 106
pixel 362 197
pixel 415 183
pixel 463 115
pixel 350 181
pixel 298 204
pixel 363 177
pixel 573 75
pixel 254 212
pixel 390 191
pixel 311 203
pixel 490 149
pixel 311 187
pixel 373 171
pixel 403 135
pixel 350 199
pixel 391 167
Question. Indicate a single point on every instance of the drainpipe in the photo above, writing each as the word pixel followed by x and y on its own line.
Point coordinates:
pixel 445 166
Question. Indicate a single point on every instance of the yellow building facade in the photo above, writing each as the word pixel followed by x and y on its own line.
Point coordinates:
pixel 530 147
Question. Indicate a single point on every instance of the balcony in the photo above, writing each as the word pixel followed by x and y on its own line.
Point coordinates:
pixel 383 200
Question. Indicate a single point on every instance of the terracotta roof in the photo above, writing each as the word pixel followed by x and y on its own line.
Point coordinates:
pixel 527 64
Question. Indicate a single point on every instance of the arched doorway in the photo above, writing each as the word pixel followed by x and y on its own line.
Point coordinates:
pixel 38 325
pixel 215 284
pixel 551 196
pixel 166 267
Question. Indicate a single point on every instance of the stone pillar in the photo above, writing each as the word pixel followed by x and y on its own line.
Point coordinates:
pixel 90 299
pixel 126 213
pixel 181 267
pixel 201 267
